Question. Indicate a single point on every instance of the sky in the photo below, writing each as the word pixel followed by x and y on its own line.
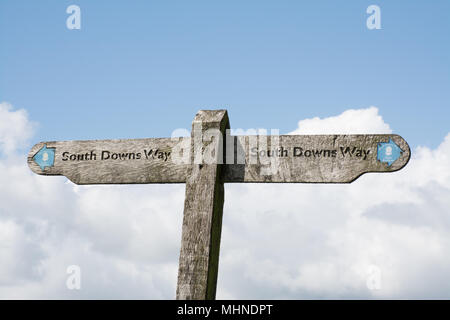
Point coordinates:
pixel 141 69
pixel 144 68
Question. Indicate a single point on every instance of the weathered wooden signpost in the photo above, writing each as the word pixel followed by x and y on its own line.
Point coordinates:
pixel 208 159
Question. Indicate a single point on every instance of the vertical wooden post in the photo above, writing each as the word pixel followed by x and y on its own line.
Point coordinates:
pixel 203 208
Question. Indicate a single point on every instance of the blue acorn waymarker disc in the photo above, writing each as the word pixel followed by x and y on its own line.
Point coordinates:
pixel 45 157
pixel 388 152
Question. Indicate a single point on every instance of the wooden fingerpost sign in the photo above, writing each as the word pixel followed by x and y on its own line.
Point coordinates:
pixel 203 208
pixel 207 160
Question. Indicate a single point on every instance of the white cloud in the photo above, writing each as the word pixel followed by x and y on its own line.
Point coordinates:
pixel 125 238
pixel 15 128
pixel 321 241
pixel 352 121
pixel 292 241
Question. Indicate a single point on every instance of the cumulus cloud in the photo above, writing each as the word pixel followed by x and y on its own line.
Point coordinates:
pixel 352 121
pixel 15 128
pixel 294 241
pixel 332 241
pixel 124 238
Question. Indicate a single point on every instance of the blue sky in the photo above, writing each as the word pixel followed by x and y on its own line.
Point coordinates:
pixel 143 68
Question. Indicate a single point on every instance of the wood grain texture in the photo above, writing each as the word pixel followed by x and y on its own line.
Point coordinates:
pixel 312 158
pixel 203 208
pixel 310 167
pixel 140 168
